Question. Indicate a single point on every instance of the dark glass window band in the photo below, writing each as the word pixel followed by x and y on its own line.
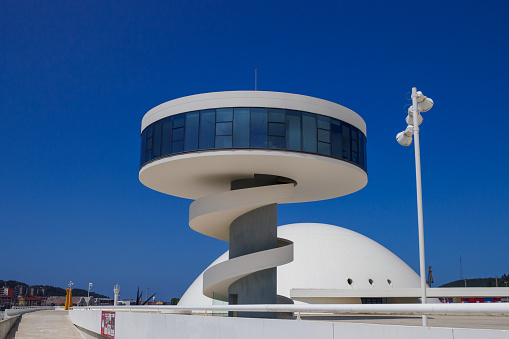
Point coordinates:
pixel 253 128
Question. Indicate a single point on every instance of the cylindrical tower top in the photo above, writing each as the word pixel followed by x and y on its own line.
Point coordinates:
pixel 197 145
pixel 280 100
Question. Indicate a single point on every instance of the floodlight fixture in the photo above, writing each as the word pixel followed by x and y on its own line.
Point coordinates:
pixel 410 117
pixel 405 138
pixel 424 103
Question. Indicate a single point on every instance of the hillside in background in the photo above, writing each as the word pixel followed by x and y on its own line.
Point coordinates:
pixel 480 282
pixel 52 290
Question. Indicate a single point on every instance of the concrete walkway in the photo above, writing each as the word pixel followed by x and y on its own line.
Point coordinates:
pixel 45 324
pixel 454 321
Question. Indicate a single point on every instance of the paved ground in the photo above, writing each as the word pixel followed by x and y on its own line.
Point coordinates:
pixel 480 322
pixel 56 324
pixel 45 324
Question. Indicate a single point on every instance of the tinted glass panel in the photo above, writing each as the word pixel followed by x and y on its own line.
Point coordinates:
pixel 309 132
pixel 224 128
pixel 336 139
pixel 276 142
pixel 191 133
pixel 148 143
pixel 361 149
pixel 255 128
pixel 147 155
pixel 224 141
pixel 276 129
pixel 241 127
pixel 355 146
pixel 177 146
pixel 178 120
pixel 224 114
pixel 364 145
pixel 143 146
pixel 276 115
pixel 293 130
pixel 207 128
pixel 323 122
pixel 323 135
pixel 150 130
pixel 258 135
pixel 166 137
pixel 346 142
pixel 156 148
pixel 324 148
pixel 177 134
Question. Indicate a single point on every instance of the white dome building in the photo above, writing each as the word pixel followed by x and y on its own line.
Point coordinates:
pixel 333 265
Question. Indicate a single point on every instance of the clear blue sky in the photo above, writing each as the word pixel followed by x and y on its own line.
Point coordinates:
pixel 76 78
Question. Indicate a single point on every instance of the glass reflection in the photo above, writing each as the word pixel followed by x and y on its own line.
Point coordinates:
pixel 244 127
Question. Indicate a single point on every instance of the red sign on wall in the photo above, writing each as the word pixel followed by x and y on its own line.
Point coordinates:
pixel 108 324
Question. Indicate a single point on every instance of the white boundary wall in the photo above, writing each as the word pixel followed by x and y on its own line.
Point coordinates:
pixel 6 325
pixel 140 325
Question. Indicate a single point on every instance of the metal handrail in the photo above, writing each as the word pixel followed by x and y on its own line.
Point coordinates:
pixel 376 309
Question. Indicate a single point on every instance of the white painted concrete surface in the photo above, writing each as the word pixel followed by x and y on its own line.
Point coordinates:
pixel 156 325
pixel 325 257
pixel 438 292
pixel 253 99
pixel 5 326
pixel 200 173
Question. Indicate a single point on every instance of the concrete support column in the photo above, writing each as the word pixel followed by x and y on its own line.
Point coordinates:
pixel 253 232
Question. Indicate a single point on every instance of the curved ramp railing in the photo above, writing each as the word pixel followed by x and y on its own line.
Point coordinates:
pixel 212 215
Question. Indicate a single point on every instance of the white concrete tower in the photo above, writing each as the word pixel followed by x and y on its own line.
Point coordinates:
pixel 239 154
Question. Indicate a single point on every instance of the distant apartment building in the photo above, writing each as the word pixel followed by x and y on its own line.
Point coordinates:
pixel 6 296
pixel 30 301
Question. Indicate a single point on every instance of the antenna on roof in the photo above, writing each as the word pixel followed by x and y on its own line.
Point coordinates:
pixel 256 79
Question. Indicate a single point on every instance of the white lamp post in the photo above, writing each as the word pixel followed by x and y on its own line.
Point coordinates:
pixel 420 103
pixel 116 290
pixel 89 286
